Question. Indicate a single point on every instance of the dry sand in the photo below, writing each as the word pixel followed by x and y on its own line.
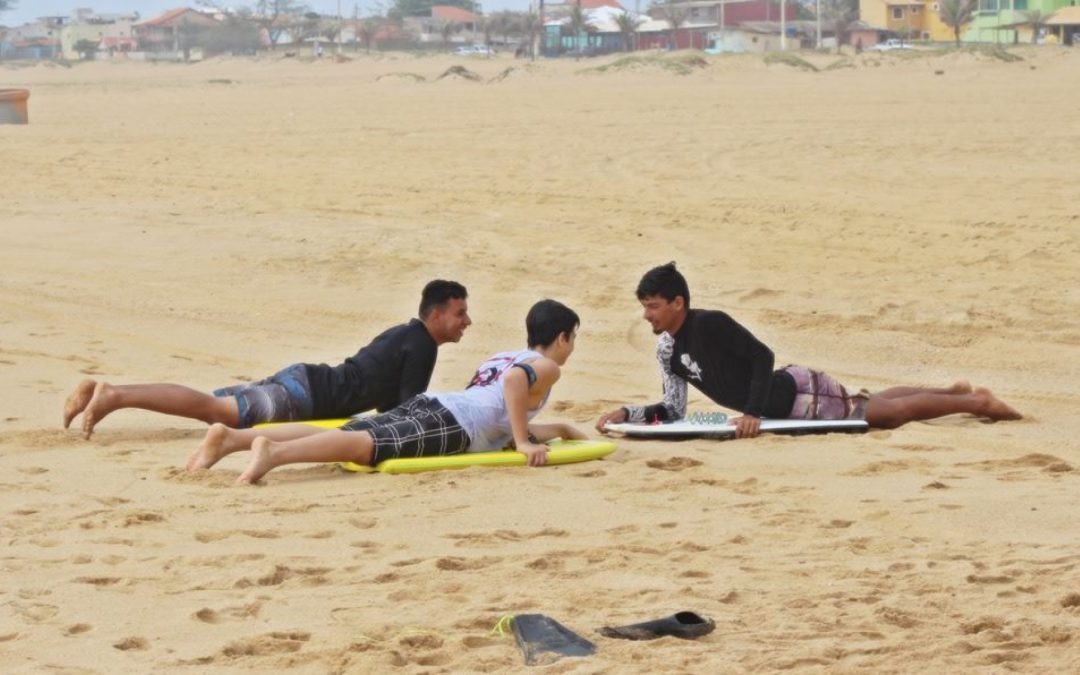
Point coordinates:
pixel 212 222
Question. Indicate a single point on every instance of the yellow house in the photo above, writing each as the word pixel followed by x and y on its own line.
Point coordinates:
pixel 98 32
pixel 910 19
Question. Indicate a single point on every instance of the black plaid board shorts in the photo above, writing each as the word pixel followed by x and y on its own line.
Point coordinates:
pixel 419 427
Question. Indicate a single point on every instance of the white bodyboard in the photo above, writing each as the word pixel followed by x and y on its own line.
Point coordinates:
pixel 694 429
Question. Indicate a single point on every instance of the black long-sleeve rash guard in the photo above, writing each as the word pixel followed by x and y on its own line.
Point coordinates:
pixel 396 366
pixel 724 361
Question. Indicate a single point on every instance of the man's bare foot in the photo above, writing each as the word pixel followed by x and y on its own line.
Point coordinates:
pixel 211 450
pixel 102 402
pixel 78 400
pixel 995 408
pixel 261 461
pixel 961 387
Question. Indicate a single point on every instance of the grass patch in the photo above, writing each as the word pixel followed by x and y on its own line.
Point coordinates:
pixel 789 59
pixel 679 64
pixel 998 52
pixel 460 71
pixel 404 76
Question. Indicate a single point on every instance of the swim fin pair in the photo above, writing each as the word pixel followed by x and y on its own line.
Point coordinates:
pixel 543 639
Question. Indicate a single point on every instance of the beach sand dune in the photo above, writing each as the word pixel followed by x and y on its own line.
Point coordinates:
pixel 210 223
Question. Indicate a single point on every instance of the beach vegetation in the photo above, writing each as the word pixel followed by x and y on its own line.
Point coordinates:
pixel 789 59
pixel 578 22
pixel 628 25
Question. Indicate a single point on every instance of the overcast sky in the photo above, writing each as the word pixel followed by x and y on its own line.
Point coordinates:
pixel 28 10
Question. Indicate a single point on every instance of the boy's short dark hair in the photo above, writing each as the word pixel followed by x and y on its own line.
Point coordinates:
pixel 547 320
pixel 439 292
pixel 665 281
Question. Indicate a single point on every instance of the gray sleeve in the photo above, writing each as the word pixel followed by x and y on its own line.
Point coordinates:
pixel 673 406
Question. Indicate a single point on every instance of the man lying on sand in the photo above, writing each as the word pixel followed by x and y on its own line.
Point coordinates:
pixel 508 390
pixel 728 364
pixel 396 366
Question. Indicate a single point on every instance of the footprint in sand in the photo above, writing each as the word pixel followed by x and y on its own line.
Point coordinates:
pixel 455 564
pixel 132 643
pixel 270 643
pixel 673 463
pixel 78 629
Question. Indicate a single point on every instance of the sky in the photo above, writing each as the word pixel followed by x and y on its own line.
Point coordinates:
pixel 26 11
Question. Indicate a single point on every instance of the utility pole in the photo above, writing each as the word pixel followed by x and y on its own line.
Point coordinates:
pixel 783 25
pixel 817 28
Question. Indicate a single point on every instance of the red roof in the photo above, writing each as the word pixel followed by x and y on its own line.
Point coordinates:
pixel 170 15
pixel 594 4
pixel 453 14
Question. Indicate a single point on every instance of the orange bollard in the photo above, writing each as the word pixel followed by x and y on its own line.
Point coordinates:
pixel 13 106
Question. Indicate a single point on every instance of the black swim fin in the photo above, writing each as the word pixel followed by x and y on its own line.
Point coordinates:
pixel 685 625
pixel 543 639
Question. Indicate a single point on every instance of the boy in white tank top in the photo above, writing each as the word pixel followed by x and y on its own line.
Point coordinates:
pixel 507 391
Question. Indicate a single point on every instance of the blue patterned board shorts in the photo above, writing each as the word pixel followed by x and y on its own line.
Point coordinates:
pixel 820 397
pixel 285 396
pixel 419 427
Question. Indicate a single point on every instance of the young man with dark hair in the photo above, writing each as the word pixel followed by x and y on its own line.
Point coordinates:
pixel 728 364
pixel 507 391
pixel 396 366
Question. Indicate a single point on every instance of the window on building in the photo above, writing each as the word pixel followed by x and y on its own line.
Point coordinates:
pixel 988 5
pixel 915 9
pixel 937 7
pixel 898 13
pixel 925 35
pixel 1020 4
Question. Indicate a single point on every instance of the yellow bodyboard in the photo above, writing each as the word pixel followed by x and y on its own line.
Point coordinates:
pixel 562 452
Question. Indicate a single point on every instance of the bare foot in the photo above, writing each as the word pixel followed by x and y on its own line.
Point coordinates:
pixel 102 402
pixel 261 461
pixel 995 408
pixel 961 387
pixel 78 401
pixel 211 450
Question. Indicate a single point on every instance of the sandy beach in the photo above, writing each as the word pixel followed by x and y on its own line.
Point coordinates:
pixel 892 219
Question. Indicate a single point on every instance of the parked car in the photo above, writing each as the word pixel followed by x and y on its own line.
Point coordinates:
pixel 474 50
pixel 889 45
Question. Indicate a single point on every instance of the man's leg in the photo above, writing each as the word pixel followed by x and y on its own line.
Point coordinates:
pixel 889 413
pixel 334 445
pixel 959 387
pixel 221 440
pixel 170 399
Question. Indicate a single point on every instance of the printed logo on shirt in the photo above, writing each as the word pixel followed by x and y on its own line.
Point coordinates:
pixel 691 367
pixel 489 373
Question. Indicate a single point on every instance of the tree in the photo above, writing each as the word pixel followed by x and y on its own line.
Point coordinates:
pixel 578 23
pixel 235 35
pixel 1037 20
pixel 628 25
pixel 366 31
pixel 531 28
pixel 86 48
pixel 840 13
pixel 446 31
pixel 271 15
pixel 676 17
pixel 956 14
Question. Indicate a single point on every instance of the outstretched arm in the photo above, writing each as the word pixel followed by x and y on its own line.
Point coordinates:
pixel 548 432
pixel 673 406
pixel 520 397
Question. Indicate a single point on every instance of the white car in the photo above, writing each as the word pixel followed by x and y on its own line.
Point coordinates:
pixel 474 50
pixel 889 45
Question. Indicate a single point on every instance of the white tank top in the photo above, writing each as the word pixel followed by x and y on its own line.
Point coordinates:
pixel 481 408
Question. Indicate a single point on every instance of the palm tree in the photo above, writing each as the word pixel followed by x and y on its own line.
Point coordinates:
pixel 530 27
pixel 956 14
pixel 841 13
pixel 628 25
pixel 366 31
pixel 447 29
pixel 578 23
pixel 1036 19
pixel 676 17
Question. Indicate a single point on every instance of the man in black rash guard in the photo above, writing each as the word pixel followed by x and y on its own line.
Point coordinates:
pixel 396 366
pixel 723 360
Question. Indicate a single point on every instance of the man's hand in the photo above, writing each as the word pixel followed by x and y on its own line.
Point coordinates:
pixel 614 417
pixel 535 453
pixel 747 426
